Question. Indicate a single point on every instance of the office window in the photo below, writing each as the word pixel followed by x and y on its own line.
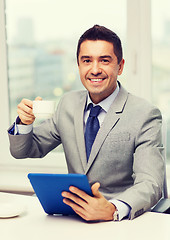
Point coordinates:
pixel 160 61
pixel 42 37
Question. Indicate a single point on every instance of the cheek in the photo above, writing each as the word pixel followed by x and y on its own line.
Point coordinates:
pixel 113 73
pixel 83 72
pixel 82 77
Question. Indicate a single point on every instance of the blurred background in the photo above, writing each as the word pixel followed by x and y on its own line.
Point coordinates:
pixel 40 39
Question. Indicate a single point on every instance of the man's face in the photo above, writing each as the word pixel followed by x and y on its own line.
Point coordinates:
pixel 99 68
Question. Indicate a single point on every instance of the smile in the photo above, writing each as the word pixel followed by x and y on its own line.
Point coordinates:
pixel 96 79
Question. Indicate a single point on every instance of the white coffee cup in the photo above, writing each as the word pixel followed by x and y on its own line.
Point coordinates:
pixel 43 109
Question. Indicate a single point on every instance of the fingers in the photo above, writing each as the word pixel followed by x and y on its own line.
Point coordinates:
pixel 25 111
pixel 81 194
pixel 79 205
pixel 87 207
pixel 95 189
pixel 25 106
pixel 76 195
pixel 73 201
pixel 76 207
pixel 80 201
pixel 80 197
pixel 76 199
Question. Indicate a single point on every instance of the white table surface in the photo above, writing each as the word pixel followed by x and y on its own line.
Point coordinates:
pixel 34 223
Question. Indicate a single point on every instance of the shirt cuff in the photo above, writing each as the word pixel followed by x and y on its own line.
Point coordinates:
pixel 24 129
pixel 18 129
pixel 122 208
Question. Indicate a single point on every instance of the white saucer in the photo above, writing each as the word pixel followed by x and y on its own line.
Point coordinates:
pixel 9 210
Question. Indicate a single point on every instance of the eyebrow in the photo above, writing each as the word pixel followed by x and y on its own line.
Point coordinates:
pixel 103 56
pixel 82 57
pixel 106 56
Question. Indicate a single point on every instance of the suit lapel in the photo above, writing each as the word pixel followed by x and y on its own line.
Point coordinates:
pixel 79 129
pixel 110 121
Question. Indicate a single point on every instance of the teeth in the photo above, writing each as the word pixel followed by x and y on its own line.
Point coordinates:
pixel 96 80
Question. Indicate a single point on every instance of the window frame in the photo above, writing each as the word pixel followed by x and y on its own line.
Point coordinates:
pixel 139 50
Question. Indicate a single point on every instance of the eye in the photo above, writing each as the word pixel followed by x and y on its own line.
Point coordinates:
pixel 86 61
pixel 105 61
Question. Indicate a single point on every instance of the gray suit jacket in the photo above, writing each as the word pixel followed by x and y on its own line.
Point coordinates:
pixel 126 157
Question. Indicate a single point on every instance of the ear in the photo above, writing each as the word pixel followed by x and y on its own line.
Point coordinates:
pixel 121 66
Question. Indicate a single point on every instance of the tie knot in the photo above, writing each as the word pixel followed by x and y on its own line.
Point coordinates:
pixel 94 111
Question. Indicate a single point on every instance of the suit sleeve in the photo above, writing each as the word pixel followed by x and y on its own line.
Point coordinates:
pixel 36 144
pixel 148 166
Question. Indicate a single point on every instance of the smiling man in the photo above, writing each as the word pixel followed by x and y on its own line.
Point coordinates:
pixel 99 68
pixel 107 133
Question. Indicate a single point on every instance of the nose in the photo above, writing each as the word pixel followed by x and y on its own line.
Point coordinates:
pixel 95 69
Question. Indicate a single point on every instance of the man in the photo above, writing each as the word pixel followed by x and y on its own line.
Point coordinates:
pixel 124 165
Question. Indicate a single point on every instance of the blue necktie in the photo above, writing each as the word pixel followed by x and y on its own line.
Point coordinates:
pixel 92 127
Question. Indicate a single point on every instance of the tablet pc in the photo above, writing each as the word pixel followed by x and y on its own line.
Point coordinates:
pixel 48 188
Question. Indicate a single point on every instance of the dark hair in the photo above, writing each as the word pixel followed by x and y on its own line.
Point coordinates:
pixel 102 33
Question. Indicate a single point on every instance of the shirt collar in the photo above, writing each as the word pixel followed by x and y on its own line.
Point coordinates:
pixel 107 102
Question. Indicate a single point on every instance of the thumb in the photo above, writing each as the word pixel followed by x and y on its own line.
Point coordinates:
pixel 95 189
pixel 38 98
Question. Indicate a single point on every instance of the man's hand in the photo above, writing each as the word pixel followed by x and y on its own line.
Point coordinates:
pixel 87 207
pixel 25 111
